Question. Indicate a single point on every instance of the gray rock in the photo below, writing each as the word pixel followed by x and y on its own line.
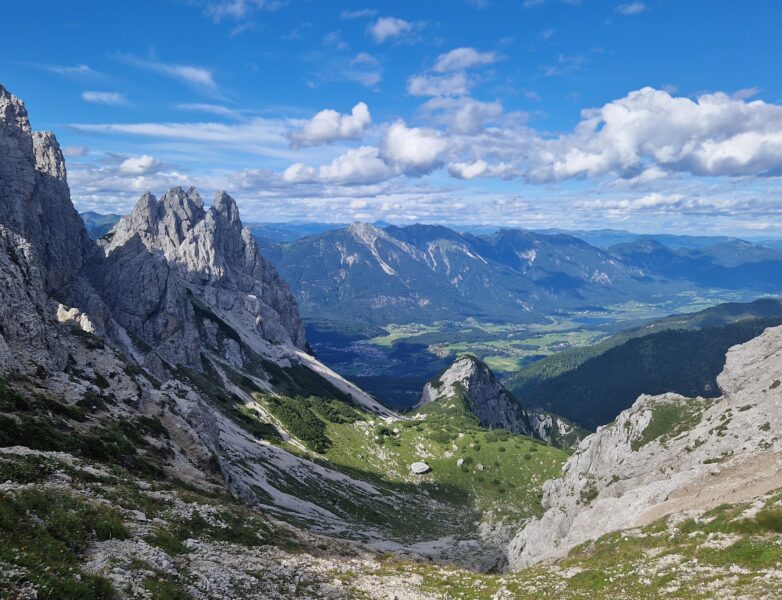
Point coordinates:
pixel 419 468
pixel 170 259
pixel 718 451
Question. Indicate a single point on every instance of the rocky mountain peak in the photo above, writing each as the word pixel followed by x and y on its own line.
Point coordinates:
pixel 365 232
pixel 225 206
pixel 34 196
pixel 181 251
pixel 472 380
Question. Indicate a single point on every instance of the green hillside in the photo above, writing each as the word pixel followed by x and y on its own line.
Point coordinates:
pixel 680 354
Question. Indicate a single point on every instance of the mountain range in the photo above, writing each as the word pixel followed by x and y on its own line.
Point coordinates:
pixel 425 273
pixel 166 432
pixel 422 273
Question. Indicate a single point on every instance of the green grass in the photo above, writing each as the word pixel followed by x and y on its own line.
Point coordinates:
pixel 669 420
pixel 507 486
pixel 45 533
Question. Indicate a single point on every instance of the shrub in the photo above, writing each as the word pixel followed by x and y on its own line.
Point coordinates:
pixel 301 422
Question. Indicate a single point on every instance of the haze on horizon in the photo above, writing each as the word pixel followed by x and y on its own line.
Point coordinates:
pixel 647 115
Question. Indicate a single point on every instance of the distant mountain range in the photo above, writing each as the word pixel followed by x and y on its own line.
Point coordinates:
pixel 425 273
pixel 97 224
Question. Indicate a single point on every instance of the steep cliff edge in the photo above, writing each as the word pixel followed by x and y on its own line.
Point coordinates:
pixel 668 454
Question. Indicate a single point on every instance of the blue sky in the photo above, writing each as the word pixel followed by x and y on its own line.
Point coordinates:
pixel 655 115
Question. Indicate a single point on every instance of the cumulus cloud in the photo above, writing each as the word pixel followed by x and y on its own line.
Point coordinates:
pixel 140 165
pixel 463 58
pixel 463 115
pixel 468 170
pixel 411 149
pixel 432 85
pixel 108 98
pixel 404 151
pixel 329 126
pixel 714 135
pixel 388 28
pixel 356 166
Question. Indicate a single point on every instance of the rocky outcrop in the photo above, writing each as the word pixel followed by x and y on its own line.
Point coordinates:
pixel 668 454
pixel 42 241
pixel 471 380
pixel 35 200
pixel 170 257
pixel 485 397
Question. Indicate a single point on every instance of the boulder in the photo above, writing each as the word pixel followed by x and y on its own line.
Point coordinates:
pixel 419 468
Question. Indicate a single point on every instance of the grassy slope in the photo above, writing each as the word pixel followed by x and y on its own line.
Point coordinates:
pixel 501 478
pixel 54 513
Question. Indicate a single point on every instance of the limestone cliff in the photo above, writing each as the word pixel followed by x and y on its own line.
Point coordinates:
pixel 668 454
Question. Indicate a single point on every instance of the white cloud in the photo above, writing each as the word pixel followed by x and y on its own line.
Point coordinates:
pixel 356 166
pixel 108 98
pixel 432 85
pixel 329 126
pixel 746 93
pixel 140 165
pixel 463 58
pixel 363 13
pixel 411 149
pixel 363 68
pixel 468 170
pixel 632 8
pixel 463 115
pixel 714 135
pixel 264 137
pixel 199 78
pixel 239 9
pixel 75 71
pixel 387 28
pixel 214 109
pixel 75 151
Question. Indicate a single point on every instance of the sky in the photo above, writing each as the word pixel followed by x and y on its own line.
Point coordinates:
pixel 652 116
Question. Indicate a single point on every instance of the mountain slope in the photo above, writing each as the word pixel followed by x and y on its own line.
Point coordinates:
pixel 469 386
pixel 682 353
pixel 422 273
pixel 669 454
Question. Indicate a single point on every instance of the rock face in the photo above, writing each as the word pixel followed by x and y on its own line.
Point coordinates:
pixel 42 241
pixel 170 258
pixel 34 196
pixel 485 397
pixel 472 381
pixel 668 454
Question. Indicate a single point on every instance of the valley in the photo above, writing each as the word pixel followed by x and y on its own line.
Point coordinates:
pixel 393 361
